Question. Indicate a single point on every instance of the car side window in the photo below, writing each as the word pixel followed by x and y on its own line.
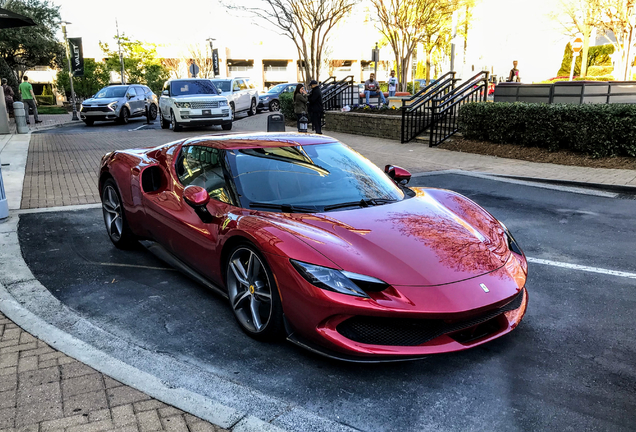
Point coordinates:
pixel 131 91
pixel 140 91
pixel 236 86
pixel 166 87
pixel 242 85
pixel 202 166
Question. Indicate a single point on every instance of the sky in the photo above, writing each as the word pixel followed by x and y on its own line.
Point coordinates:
pixel 502 31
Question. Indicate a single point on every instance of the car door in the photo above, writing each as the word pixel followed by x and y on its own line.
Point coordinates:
pixel 244 93
pixel 163 100
pixel 143 99
pixel 175 224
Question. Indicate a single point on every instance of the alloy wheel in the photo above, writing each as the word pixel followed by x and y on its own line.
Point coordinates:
pixel 274 106
pixel 111 207
pixel 249 289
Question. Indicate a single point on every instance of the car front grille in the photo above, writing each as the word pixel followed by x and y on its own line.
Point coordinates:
pixel 204 105
pixel 96 109
pixel 413 332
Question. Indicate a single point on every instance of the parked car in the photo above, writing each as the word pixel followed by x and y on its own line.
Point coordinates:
pixel 310 241
pixel 270 100
pixel 193 102
pixel 119 103
pixel 240 92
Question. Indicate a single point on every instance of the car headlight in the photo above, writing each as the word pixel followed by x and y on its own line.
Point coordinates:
pixel 113 106
pixel 81 107
pixel 265 98
pixel 339 281
pixel 512 243
pixel 222 103
pixel 182 104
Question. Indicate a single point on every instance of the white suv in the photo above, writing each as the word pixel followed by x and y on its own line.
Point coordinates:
pixel 193 102
pixel 240 92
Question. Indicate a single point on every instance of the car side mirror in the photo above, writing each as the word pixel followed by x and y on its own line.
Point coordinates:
pixel 129 96
pixel 165 93
pixel 398 174
pixel 198 198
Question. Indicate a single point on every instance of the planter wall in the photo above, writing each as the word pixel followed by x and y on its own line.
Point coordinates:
pixel 375 125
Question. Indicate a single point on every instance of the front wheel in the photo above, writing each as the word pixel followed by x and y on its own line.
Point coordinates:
pixel 274 105
pixel 89 122
pixel 226 126
pixel 165 124
pixel 253 294
pixel 176 127
pixel 115 217
pixel 152 112
pixel 252 110
pixel 124 115
pixel 233 110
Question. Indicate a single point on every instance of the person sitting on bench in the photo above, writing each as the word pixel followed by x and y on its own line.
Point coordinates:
pixel 372 88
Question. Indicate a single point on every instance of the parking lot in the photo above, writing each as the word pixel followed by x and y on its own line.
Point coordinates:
pixel 569 366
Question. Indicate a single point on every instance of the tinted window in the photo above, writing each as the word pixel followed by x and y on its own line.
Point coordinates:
pixel 192 87
pixel 277 88
pixel 314 175
pixel 224 85
pixel 202 166
pixel 242 84
pixel 111 92
pixel 236 86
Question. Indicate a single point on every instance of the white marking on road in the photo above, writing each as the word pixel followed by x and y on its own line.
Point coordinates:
pixel 582 268
pixel 137 128
pixel 136 266
pixel 57 209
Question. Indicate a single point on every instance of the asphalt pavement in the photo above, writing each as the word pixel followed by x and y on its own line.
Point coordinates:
pixel 569 366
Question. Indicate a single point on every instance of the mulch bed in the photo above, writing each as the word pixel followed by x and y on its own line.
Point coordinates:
pixel 536 154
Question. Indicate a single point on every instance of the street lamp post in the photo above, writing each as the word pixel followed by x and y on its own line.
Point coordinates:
pixel 211 41
pixel 70 71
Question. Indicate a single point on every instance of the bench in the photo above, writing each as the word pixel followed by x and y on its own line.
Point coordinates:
pixel 373 100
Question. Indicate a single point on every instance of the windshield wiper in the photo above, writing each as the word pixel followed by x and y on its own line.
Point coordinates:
pixel 361 203
pixel 287 208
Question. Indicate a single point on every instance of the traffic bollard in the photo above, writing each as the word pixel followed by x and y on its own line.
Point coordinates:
pixel 20 118
pixel 4 205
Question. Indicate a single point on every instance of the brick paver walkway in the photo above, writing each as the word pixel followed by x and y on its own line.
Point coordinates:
pixel 43 390
pixel 48 120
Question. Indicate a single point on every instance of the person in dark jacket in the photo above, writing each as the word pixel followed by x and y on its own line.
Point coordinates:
pixel 315 106
pixel 8 96
pixel 300 103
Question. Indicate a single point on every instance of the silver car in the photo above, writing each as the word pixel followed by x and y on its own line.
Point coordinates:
pixel 120 103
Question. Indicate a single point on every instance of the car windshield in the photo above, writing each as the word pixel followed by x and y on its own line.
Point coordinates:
pixel 309 177
pixel 111 92
pixel 224 85
pixel 192 87
pixel 278 88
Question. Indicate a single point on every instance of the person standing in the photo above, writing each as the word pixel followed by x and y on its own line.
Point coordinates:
pixel 28 97
pixel 8 96
pixel 300 103
pixel 513 76
pixel 393 83
pixel 372 88
pixel 315 106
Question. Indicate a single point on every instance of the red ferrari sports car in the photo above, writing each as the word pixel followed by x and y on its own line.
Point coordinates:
pixel 311 241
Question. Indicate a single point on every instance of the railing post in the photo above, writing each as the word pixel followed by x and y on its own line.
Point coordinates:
pixel 433 122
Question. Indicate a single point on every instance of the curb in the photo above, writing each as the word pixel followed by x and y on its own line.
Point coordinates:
pixel 620 189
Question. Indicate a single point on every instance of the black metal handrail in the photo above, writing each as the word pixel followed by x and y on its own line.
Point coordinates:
pixel 431 85
pixel 417 116
pixel 446 108
pixel 339 93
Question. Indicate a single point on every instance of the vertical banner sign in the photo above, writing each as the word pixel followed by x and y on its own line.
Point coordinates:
pixel 215 61
pixel 77 56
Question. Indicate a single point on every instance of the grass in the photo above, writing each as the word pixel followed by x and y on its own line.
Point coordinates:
pixel 46 109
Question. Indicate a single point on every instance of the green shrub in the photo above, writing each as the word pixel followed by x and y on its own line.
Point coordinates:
pixel 287 105
pixel 599 130
pixel 599 71
pixel 45 100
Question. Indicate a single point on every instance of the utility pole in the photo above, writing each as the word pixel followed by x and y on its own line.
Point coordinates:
pixel 376 59
pixel 121 59
pixel 70 71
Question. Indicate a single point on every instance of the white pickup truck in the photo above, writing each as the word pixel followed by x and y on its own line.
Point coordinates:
pixel 240 92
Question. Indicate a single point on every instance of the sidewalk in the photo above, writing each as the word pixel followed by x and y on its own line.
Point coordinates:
pixel 42 389
pixel 48 121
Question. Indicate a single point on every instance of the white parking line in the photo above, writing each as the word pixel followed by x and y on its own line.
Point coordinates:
pixel 137 128
pixel 582 268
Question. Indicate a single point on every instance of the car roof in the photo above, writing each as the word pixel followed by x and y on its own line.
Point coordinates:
pixel 259 140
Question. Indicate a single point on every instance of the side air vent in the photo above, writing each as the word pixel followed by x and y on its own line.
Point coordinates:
pixel 152 179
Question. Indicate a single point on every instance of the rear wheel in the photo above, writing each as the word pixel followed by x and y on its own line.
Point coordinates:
pixel 124 116
pixel 252 110
pixel 176 127
pixel 274 105
pixel 165 124
pixel 253 294
pixel 115 217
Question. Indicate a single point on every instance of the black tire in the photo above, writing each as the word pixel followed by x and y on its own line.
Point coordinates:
pixel 274 105
pixel 176 127
pixel 89 122
pixel 165 124
pixel 226 126
pixel 253 294
pixel 252 110
pixel 152 112
pixel 115 217
pixel 233 110
pixel 124 115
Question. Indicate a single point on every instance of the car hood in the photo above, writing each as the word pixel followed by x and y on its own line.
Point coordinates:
pixel 199 97
pixel 435 238
pixel 100 101
pixel 268 95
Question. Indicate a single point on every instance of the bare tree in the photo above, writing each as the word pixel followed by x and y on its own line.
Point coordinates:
pixel 203 59
pixel 618 17
pixel 307 23
pixel 173 65
pixel 405 23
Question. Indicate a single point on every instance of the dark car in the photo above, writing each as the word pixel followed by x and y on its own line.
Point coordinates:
pixel 271 99
pixel 120 103
pixel 310 241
